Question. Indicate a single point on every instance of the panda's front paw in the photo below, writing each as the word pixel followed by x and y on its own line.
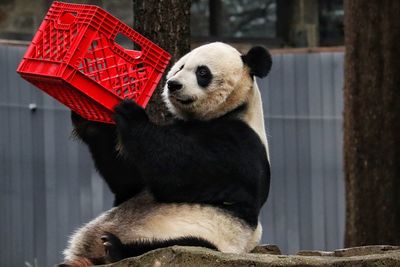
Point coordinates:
pixel 129 116
pixel 90 131
pixel 129 111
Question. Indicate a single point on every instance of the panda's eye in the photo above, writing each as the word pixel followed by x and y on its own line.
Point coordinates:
pixel 204 76
pixel 202 71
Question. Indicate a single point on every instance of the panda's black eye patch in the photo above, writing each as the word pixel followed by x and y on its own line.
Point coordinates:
pixel 203 75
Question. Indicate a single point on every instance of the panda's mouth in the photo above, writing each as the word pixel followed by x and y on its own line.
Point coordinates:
pixel 184 101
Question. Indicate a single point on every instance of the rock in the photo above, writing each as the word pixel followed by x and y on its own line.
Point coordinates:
pixel 194 256
pixel 267 249
pixel 315 253
pixel 365 250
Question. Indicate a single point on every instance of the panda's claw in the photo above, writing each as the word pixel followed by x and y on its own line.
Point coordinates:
pixel 104 238
pixel 112 247
pixel 109 237
pixel 107 245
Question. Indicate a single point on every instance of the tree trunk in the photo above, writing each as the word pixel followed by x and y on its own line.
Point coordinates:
pixel 298 22
pixel 166 23
pixel 216 13
pixel 372 122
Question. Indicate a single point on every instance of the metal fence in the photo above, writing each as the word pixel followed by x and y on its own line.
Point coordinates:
pixel 303 105
pixel 48 186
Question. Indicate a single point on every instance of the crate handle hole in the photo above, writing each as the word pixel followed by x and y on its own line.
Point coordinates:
pixel 67 17
pixel 130 47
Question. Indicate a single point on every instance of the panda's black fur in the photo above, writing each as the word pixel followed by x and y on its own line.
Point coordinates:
pixel 219 162
pixel 233 176
pixel 116 251
pixel 120 175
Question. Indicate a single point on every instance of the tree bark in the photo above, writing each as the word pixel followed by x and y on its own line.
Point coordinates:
pixel 216 13
pixel 298 22
pixel 166 23
pixel 372 122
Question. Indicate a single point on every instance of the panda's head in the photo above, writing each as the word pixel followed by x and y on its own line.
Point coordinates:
pixel 212 80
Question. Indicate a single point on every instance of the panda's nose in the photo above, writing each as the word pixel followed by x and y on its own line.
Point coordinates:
pixel 174 86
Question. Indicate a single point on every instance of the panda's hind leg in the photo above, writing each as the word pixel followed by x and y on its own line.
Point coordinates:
pixel 115 250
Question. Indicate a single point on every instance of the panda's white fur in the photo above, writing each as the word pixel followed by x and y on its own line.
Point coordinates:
pixel 143 218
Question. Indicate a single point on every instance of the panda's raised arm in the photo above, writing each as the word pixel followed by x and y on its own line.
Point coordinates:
pixel 121 176
pixel 206 162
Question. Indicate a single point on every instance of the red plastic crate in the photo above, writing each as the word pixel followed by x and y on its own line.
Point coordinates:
pixel 75 59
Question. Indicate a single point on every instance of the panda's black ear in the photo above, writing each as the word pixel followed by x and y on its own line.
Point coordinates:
pixel 259 61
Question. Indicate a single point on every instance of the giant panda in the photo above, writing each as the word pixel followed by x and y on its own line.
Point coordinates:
pixel 199 181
